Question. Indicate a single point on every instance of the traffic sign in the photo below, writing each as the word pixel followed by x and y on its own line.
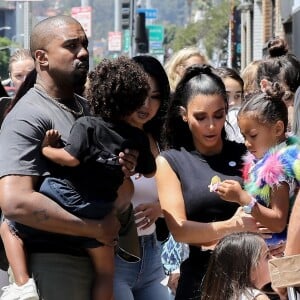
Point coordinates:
pixel 156 39
pixel 114 41
pixel 156 33
pixel 83 14
pixel 126 40
pixel 150 13
pixel 155 45
pixel 157 51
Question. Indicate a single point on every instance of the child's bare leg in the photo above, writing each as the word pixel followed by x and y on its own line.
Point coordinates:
pixel 15 252
pixel 103 262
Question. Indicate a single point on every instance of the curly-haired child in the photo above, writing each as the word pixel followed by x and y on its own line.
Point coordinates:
pixel 93 174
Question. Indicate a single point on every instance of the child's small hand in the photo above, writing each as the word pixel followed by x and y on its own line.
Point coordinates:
pixel 230 190
pixel 52 139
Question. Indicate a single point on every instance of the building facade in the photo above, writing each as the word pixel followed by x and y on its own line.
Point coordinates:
pixel 260 21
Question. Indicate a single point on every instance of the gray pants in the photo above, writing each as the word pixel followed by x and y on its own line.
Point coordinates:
pixel 62 277
pixel 3 280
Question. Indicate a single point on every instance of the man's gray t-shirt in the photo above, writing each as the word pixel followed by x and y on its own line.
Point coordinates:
pixel 23 131
pixel 21 136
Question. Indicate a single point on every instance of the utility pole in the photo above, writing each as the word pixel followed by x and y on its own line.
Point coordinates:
pixel 230 48
pixel 117 25
pixel 132 25
pixel 127 16
pixel 27 13
pixel 23 24
pixel 85 3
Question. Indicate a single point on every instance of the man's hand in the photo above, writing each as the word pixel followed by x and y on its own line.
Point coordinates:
pixel 109 229
pixel 128 161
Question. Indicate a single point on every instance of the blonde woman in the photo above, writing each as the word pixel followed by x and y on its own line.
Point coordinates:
pixel 179 61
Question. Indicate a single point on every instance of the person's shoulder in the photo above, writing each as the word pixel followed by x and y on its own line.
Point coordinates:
pixel 176 154
pixel 240 148
pixel 253 294
pixel 90 122
pixel 30 106
pixel 290 148
pixel 173 151
pixel 261 297
pixel 83 119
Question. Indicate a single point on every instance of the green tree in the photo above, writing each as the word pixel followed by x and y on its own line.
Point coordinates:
pixel 212 30
pixel 188 36
pixel 170 31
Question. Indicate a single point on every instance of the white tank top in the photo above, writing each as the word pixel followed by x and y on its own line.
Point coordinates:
pixel 145 191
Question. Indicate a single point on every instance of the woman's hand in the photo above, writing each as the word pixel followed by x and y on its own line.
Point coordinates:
pixel 244 222
pixel 173 282
pixel 146 214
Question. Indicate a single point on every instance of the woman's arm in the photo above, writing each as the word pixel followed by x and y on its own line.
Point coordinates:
pixel 183 230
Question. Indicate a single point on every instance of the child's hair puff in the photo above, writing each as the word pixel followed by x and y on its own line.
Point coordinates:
pixel 117 87
pixel 267 107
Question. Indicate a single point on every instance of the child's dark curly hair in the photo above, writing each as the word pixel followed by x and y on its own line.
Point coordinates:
pixel 117 87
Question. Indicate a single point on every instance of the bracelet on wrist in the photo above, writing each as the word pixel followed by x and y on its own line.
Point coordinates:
pixel 249 207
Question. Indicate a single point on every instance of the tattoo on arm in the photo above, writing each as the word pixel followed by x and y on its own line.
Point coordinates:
pixel 41 215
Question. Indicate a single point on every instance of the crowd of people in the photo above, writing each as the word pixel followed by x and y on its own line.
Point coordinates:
pixel 142 181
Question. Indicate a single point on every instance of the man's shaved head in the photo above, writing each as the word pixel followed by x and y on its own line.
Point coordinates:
pixel 45 31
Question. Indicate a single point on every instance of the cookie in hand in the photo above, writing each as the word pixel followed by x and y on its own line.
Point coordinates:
pixel 214 183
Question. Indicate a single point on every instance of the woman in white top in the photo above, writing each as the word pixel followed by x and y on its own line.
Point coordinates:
pixel 140 280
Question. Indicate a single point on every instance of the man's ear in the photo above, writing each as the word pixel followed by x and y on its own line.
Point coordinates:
pixel 41 57
pixel 264 83
pixel 183 113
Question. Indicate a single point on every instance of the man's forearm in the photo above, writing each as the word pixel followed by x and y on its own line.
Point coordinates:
pixel 21 203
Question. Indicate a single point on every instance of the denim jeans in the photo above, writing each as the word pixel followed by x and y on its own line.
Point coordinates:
pixel 63 193
pixel 141 280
